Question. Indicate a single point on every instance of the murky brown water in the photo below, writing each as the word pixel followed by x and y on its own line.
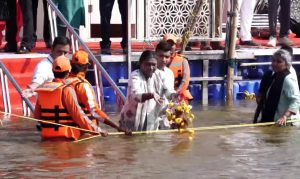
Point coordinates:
pixel 251 152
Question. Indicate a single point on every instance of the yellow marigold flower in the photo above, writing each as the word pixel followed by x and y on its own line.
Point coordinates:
pixel 192 116
pixel 179 108
pixel 178 120
pixel 170 105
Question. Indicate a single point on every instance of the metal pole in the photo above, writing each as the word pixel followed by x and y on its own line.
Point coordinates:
pixel 97 83
pixel 3 90
pixel 51 22
pixel 7 93
pixel 99 86
pixel 213 18
pixel 54 23
pixel 73 43
pixel 24 108
pixel 101 89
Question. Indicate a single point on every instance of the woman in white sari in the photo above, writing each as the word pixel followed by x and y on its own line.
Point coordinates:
pixel 143 101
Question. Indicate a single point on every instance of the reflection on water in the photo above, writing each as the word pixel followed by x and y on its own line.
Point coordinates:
pixel 182 146
pixel 252 152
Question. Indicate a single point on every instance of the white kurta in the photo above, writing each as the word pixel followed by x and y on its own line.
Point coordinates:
pixel 137 115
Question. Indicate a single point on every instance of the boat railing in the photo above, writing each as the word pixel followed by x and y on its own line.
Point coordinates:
pixel 77 42
pixel 4 75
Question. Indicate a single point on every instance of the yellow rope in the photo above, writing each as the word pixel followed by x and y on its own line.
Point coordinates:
pixel 152 131
pixel 195 129
pixel 39 120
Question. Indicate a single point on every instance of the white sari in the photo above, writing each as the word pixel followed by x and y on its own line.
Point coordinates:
pixel 137 115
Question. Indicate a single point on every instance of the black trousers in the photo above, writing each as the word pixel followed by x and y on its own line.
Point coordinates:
pixel 29 11
pixel 28 29
pixel 284 16
pixel 11 26
pixel 106 7
pixel 46 29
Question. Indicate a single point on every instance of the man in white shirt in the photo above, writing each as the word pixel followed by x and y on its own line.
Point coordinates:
pixel 163 56
pixel 43 70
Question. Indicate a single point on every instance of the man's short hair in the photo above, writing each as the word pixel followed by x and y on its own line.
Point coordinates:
pixel 61 40
pixel 163 46
pixel 61 75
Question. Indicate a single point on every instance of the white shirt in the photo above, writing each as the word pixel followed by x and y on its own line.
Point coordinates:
pixel 168 78
pixel 43 71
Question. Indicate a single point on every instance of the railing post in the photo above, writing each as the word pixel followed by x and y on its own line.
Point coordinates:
pixel 54 23
pixel 99 86
pixel 26 109
pixel 7 94
pixel 4 96
pixel 24 106
pixel 213 18
pixel 73 44
pixel 51 22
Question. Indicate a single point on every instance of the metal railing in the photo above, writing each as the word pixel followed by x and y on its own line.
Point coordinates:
pixel 76 43
pixel 4 74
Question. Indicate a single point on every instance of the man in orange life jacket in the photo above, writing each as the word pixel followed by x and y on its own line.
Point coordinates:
pixel 57 103
pixel 181 70
pixel 84 91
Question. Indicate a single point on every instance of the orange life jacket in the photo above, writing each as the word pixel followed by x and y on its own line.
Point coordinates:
pixel 75 82
pixel 53 110
pixel 177 66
